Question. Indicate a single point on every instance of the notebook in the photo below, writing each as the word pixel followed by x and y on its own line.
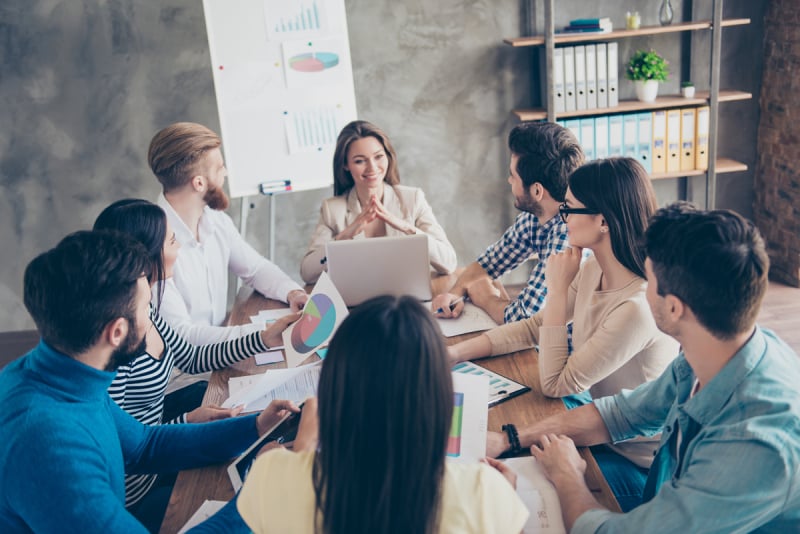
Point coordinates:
pixel 365 268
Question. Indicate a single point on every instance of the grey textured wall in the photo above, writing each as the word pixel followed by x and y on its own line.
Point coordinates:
pixel 84 85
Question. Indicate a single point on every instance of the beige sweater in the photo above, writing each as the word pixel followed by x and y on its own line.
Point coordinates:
pixel 616 345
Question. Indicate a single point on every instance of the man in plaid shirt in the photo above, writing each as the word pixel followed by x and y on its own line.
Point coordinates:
pixel 543 155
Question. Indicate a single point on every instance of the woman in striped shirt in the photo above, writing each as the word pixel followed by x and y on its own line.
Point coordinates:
pixel 139 387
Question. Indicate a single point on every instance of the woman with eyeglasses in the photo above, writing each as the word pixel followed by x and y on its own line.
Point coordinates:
pixel 615 342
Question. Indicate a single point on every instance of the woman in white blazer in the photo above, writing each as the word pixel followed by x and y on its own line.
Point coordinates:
pixel 364 164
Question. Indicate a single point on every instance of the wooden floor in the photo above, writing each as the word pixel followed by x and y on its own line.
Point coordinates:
pixel 780 312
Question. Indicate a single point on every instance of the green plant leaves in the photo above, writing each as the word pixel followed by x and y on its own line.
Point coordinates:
pixel 647 65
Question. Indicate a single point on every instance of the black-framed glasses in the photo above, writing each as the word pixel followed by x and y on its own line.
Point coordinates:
pixel 565 212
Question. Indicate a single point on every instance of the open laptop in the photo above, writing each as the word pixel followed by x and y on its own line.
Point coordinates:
pixel 365 268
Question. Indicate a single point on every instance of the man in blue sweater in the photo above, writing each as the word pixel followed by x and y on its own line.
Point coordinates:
pixel 64 444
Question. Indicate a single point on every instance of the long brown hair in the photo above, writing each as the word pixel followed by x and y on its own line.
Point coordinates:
pixel 342 179
pixel 385 410
pixel 620 190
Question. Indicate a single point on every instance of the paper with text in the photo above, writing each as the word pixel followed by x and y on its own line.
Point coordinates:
pixel 472 319
pixel 255 392
pixel 538 495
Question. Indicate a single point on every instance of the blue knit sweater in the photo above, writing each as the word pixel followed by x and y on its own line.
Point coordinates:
pixel 65 446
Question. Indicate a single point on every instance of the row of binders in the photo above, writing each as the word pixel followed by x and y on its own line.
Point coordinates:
pixel 664 141
pixel 584 77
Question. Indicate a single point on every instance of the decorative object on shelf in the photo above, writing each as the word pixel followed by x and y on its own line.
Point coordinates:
pixel 646 68
pixel 687 89
pixel 632 20
pixel 665 13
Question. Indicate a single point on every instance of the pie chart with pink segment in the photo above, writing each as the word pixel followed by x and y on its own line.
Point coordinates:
pixel 315 325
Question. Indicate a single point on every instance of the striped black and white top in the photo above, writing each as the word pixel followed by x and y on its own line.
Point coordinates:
pixel 139 386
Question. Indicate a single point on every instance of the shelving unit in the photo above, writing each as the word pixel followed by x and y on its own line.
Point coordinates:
pixel 712 97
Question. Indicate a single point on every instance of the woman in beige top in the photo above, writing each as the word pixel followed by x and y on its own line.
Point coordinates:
pixel 616 343
pixel 364 164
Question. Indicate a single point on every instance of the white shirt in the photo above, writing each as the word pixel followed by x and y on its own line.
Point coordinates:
pixel 195 299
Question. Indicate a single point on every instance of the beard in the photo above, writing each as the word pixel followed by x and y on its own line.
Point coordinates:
pixel 216 199
pixel 527 203
pixel 128 351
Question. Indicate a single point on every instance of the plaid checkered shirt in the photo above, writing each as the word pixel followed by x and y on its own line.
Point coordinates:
pixel 526 238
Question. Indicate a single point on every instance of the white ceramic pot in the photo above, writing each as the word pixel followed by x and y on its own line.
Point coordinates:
pixel 646 90
pixel 687 92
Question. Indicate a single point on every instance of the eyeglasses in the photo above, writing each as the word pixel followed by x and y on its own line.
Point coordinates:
pixel 565 212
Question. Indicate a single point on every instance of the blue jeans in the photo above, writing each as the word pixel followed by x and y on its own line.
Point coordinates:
pixel 625 478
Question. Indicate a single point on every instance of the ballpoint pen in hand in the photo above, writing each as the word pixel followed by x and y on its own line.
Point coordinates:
pixel 452 305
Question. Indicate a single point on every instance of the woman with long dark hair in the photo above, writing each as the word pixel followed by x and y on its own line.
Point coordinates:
pixel 369 201
pixel 378 463
pixel 139 387
pixel 615 342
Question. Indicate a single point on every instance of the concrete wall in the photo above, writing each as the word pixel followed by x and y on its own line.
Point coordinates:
pixel 85 84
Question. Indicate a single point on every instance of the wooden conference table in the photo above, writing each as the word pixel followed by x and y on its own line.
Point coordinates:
pixel 196 485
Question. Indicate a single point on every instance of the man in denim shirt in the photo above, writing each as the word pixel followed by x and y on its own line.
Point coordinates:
pixel 543 155
pixel 729 406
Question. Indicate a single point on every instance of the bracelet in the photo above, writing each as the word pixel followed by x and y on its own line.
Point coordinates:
pixel 513 438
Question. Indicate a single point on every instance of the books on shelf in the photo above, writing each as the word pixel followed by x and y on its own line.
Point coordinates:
pixel 596 25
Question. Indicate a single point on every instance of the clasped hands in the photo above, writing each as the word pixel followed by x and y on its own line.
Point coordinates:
pixel 374 210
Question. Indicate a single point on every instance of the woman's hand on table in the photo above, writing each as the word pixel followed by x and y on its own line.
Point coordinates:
pixel 271 335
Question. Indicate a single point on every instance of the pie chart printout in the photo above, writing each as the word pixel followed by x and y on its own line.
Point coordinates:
pixel 314 61
pixel 316 324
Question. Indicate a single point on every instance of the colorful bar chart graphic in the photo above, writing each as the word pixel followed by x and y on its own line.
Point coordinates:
pixel 313 129
pixel 314 61
pixel 315 325
pixel 454 440
pixel 305 19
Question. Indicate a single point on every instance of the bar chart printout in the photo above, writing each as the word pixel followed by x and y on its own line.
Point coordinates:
pixel 454 440
pixel 287 19
pixel 310 130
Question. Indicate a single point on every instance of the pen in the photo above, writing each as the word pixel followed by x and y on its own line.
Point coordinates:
pixel 452 305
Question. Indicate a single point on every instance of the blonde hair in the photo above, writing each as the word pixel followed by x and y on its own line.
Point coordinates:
pixel 176 149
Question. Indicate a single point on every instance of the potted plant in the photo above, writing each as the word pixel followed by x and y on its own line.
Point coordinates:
pixel 646 68
pixel 687 89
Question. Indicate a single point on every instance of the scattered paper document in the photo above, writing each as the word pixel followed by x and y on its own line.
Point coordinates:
pixel 265 317
pixel 472 319
pixel 467 440
pixel 539 496
pixel 255 392
pixel 206 510
pixel 323 313
pixel 271 356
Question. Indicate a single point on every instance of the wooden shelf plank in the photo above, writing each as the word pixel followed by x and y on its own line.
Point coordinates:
pixel 724 165
pixel 628 106
pixel 538 40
